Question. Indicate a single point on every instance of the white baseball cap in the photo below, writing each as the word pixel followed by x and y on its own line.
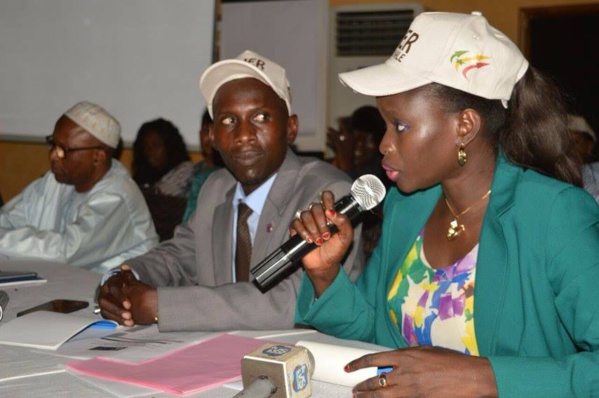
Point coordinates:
pixel 96 121
pixel 461 51
pixel 247 64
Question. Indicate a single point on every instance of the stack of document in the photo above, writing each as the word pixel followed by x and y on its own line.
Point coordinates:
pixel 194 368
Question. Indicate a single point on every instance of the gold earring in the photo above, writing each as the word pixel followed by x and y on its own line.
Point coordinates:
pixel 462 156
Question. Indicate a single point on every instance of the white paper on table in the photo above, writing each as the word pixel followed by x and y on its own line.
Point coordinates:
pixel 329 360
pixel 134 344
pixel 45 329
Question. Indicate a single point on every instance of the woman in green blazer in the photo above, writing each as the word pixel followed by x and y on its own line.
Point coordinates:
pixel 485 277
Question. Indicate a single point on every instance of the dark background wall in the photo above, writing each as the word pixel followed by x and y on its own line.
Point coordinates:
pixel 563 42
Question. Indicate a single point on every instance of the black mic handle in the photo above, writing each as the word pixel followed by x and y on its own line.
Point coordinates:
pixel 346 205
pixel 286 258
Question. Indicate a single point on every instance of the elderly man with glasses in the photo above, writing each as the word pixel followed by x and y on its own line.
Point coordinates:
pixel 86 211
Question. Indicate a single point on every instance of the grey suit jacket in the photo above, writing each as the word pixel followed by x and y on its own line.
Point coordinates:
pixel 192 271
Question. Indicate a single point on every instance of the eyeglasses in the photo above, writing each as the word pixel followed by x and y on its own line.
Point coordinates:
pixel 62 152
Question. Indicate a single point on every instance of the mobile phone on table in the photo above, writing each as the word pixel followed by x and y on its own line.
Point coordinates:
pixel 63 306
pixel 16 276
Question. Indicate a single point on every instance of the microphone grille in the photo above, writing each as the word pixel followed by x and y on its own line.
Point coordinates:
pixel 368 191
pixel 310 359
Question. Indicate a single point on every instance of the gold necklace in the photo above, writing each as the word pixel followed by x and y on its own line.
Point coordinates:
pixel 456 229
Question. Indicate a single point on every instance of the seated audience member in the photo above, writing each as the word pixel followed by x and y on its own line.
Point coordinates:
pixel 160 159
pixel 210 162
pixel 356 143
pixel 487 267
pixel 356 146
pixel 86 211
pixel 200 279
pixel 163 170
pixel 585 139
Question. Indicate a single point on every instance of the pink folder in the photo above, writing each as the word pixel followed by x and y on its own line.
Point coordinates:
pixel 194 368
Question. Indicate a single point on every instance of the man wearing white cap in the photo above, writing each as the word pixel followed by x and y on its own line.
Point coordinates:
pixel 198 280
pixel 86 211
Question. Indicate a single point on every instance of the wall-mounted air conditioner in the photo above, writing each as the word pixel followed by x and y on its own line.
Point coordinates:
pixel 362 35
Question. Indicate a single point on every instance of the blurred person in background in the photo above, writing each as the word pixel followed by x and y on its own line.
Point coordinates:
pixel 356 143
pixel 585 140
pixel 163 170
pixel 210 162
pixel 161 162
pixel 356 146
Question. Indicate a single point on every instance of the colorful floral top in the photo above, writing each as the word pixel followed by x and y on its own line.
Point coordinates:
pixel 436 305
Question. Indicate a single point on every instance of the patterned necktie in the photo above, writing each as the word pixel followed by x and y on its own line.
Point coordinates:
pixel 243 251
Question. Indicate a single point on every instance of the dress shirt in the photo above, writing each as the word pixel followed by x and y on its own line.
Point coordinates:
pixel 254 201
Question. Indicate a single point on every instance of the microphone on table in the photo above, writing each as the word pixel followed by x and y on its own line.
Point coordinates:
pixel 277 371
pixel 366 192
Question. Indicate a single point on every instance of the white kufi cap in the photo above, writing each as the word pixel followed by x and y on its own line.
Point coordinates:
pixel 96 121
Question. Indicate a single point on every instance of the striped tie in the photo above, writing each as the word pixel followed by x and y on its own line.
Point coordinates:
pixel 243 251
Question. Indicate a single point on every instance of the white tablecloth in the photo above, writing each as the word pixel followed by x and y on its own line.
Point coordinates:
pixel 31 373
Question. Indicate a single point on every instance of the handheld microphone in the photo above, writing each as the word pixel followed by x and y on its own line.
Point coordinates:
pixel 366 192
pixel 277 371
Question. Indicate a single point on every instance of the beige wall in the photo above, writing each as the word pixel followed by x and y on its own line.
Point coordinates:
pixel 20 163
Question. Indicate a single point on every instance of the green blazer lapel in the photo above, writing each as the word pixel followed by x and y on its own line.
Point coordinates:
pixel 222 239
pixel 492 266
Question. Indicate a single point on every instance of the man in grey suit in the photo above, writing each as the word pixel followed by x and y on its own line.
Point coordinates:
pixel 191 281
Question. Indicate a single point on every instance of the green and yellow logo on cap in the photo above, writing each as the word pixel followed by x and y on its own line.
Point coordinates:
pixel 461 59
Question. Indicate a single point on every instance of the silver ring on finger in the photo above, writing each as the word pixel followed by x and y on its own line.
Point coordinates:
pixel 383 380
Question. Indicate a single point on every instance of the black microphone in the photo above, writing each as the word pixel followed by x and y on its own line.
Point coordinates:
pixel 366 192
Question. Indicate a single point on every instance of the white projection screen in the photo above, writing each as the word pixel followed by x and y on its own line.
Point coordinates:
pixel 140 59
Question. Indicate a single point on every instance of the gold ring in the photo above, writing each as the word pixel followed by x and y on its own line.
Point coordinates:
pixel 310 206
pixel 298 214
pixel 383 380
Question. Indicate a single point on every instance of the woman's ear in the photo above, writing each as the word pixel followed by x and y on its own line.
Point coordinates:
pixel 469 125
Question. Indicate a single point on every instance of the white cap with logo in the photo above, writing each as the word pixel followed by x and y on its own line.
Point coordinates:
pixel 461 51
pixel 247 64
pixel 96 121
